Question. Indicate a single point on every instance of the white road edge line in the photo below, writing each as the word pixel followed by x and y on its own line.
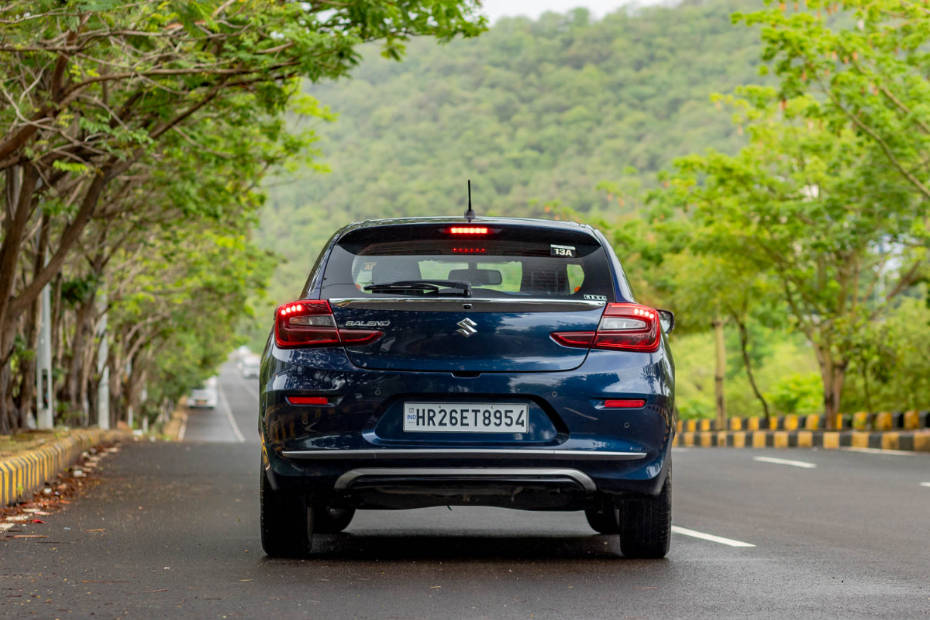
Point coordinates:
pixel 880 451
pixel 778 461
pixel 717 539
pixel 229 415
pixel 925 484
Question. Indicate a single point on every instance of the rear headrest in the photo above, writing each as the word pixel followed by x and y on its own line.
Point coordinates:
pixel 545 279
pixel 394 269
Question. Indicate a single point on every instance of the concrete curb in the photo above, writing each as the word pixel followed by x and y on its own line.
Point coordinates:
pixel 23 474
pixel 917 441
pixel 175 427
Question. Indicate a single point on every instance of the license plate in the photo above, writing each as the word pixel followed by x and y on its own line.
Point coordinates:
pixel 466 417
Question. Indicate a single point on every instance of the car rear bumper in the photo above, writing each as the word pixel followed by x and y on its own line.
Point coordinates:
pixel 535 479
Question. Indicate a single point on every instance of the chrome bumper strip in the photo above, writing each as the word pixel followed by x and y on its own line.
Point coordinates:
pixel 345 480
pixel 467 453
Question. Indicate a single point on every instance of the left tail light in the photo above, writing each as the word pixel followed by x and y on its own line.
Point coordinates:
pixel 310 323
pixel 623 327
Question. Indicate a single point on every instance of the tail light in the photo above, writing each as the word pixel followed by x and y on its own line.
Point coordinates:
pixel 623 327
pixel 310 323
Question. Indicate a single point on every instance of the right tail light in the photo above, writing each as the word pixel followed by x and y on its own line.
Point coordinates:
pixel 623 327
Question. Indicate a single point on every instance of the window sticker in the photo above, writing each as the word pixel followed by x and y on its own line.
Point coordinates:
pixel 565 251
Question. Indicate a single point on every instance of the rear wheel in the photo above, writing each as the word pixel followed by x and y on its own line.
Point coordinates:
pixel 605 518
pixel 646 524
pixel 329 520
pixel 286 523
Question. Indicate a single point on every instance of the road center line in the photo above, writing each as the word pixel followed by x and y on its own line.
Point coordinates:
pixel 710 537
pixel 925 484
pixel 778 461
pixel 229 416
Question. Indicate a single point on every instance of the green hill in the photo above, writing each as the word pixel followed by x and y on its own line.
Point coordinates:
pixel 536 113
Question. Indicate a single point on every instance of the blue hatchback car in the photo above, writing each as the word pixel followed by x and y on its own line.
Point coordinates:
pixel 450 361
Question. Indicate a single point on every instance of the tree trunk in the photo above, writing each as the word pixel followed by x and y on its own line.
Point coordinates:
pixel 747 362
pixel 83 338
pixel 833 375
pixel 720 368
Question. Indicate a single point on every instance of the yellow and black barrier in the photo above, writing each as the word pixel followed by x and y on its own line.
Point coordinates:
pixel 917 441
pixel 24 473
pixel 861 421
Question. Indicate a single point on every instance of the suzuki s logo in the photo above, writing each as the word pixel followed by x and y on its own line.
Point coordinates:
pixel 467 327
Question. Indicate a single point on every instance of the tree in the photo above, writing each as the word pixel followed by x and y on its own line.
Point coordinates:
pixel 98 93
pixel 867 60
pixel 814 205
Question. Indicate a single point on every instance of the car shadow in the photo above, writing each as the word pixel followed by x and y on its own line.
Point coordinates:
pixel 406 546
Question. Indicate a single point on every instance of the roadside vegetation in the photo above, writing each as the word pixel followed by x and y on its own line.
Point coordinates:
pixel 134 138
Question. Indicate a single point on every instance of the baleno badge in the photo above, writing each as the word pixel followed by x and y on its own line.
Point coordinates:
pixel 467 327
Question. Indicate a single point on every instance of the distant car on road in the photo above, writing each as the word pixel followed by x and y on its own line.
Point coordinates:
pixel 493 362
pixel 204 395
pixel 250 366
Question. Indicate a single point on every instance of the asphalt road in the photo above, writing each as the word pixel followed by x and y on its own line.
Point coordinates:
pixel 173 531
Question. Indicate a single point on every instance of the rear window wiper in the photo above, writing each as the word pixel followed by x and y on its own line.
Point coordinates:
pixel 425 286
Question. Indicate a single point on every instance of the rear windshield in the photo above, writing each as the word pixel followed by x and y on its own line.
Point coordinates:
pixel 518 262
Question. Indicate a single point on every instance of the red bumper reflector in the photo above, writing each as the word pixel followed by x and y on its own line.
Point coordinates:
pixel 308 400
pixel 624 403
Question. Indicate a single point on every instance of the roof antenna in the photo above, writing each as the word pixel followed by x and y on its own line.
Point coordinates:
pixel 470 213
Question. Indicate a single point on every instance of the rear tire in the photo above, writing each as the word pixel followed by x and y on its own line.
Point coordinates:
pixel 646 524
pixel 328 520
pixel 286 523
pixel 605 519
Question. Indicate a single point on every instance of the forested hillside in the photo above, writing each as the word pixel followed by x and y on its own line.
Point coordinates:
pixel 536 113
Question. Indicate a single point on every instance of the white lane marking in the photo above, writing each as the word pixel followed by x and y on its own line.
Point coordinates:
pixel 717 539
pixel 183 430
pixel 925 484
pixel 777 461
pixel 251 388
pixel 880 451
pixel 229 416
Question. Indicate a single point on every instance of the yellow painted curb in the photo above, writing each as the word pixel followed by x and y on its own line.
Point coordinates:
pixel 752 424
pixel 22 474
pixel 805 439
pixel 860 440
pixel 739 439
pixel 780 439
pixel 791 423
pixel 736 424
pixel 688 439
pixel 812 423
pixel 706 439
pixel 922 441
pixel 890 441
pixel 911 420
pixel 705 425
pixel 758 439
pixel 831 441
